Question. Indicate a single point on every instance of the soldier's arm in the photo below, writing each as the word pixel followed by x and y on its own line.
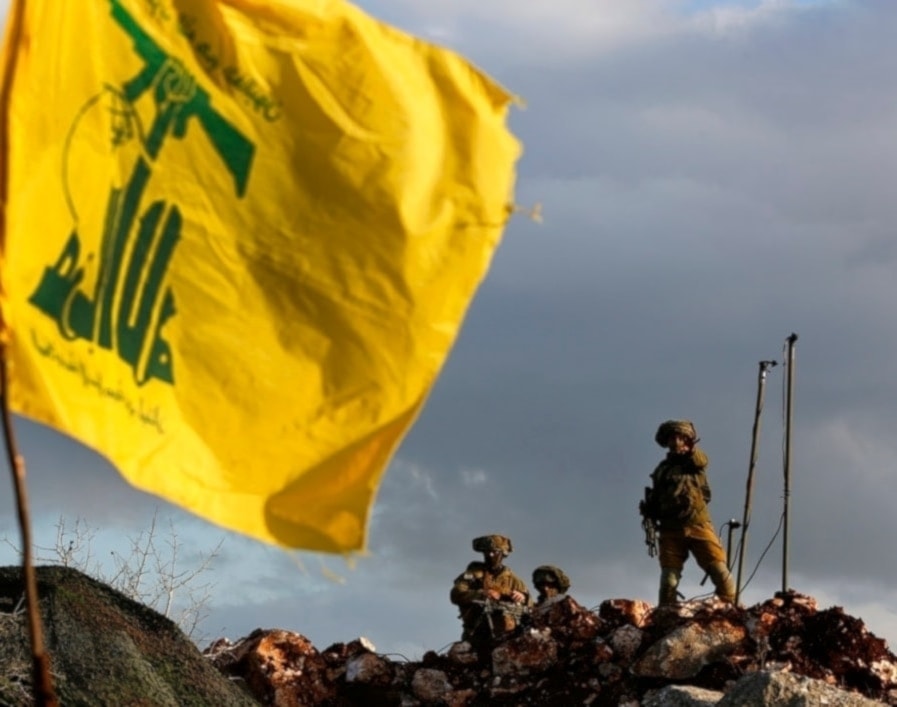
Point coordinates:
pixel 518 585
pixel 699 458
pixel 704 486
pixel 468 587
pixel 699 462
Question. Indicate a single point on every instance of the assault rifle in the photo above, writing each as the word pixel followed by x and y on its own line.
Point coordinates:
pixel 179 99
pixel 502 617
pixel 649 523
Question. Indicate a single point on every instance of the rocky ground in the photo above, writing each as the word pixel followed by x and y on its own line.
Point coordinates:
pixel 782 652
pixel 108 650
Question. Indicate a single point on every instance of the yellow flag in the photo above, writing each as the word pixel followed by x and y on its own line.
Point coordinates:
pixel 240 237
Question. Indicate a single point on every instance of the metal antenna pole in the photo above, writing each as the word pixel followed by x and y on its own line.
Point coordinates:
pixel 789 408
pixel 755 438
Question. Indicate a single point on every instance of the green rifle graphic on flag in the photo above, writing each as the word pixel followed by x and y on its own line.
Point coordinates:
pixel 131 300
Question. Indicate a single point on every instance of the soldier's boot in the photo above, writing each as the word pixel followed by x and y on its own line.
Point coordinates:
pixel 669 583
pixel 723 581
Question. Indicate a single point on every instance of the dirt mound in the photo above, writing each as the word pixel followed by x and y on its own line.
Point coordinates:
pixel 104 648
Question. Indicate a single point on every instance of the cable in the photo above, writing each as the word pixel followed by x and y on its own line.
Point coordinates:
pixel 765 550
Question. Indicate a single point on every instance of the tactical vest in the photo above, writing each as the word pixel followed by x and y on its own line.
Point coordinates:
pixel 680 491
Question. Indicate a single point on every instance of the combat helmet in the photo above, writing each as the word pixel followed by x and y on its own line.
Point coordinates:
pixel 552 575
pixel 489 543
pixel 670 427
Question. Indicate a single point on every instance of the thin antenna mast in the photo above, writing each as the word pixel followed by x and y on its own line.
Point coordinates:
pixel 755 439
pixel 789 410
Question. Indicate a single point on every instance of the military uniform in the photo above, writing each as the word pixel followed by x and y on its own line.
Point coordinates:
pixel 470 592
pixel 678 505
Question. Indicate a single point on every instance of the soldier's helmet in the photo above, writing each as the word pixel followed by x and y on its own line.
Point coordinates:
pixel 489 543
pixel 549 574
pixel 670 427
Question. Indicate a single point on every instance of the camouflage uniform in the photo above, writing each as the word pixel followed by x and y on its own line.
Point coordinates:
pixel 470 593
pixel 678 505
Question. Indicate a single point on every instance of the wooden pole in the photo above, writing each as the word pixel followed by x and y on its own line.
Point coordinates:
pixel 44 694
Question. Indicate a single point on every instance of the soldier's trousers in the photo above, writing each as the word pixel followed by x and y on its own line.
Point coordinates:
pixel 699 540
pixel 702 542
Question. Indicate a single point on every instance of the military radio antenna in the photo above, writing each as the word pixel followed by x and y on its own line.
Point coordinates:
pixel 755 438
pixel 789 409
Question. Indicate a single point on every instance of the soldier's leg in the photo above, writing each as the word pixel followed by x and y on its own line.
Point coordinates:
pixel 722 580
pixel 672 556
pixel 710 555
pixel 669 585
pixel 476 626
pixel 480 639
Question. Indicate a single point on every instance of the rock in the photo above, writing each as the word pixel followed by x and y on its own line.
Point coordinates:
pixel 463 653
pixel 533 652
pixel 369 669
pixel 626 642
pixel 694 654
pixel 681 696
pixel 682 653
pixel 430 685
pixel 276 665
pixel 618 612
pixel 785 652
pixel 570 623
pixel 790 690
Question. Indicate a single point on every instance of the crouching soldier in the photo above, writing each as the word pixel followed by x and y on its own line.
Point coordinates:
pixel 550 582
pixel 571 624
pixel 492 599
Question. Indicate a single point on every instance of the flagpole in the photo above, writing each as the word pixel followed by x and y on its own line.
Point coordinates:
pixel 43 691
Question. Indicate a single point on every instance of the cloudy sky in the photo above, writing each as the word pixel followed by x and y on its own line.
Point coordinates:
pixel 713 177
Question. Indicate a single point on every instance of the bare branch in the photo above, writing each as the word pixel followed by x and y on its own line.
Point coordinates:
pixel 148 573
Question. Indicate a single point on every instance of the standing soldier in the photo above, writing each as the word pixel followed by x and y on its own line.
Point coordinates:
pixel 490 596
pixel 677 504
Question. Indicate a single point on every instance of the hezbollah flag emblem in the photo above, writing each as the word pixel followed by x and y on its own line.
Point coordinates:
pixel 239 239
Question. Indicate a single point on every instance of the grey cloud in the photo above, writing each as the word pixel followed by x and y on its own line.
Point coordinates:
pixel 704 195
